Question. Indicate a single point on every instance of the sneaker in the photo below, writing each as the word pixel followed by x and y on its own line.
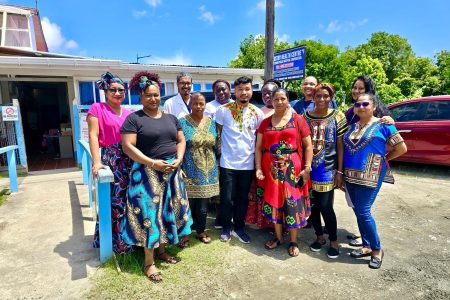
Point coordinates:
pixel 217 224
pixel 316 246
pixel 225 236
pixel 333 253
pixel 241 235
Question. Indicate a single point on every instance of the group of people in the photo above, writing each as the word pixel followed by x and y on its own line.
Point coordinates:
pixel 168 164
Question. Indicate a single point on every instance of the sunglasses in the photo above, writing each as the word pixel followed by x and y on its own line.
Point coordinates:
pixel 363 104
pixel 120 91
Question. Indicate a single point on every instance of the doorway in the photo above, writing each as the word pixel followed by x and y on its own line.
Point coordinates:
pixel 45 116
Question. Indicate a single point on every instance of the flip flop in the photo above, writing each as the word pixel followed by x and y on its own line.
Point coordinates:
pixel 292 246
pixel 275 242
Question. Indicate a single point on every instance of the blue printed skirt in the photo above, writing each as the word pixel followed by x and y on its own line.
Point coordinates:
pixel 157 209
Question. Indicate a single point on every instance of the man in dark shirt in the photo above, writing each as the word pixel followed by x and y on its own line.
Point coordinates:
pixel 306 103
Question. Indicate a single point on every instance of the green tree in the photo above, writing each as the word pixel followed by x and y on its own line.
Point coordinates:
pixel 251 52
pixel 443 64
pixel 393 51
pixel 389 93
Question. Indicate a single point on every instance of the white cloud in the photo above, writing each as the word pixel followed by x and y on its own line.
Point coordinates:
pixel 336 26
pixel 177 59
pixel 207 16
pixel 153 3
pixel 262 4
pixel 56 41
pixel 283 38
pixel 137 14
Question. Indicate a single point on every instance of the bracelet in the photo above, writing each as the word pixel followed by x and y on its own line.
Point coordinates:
pixel 339 172
pixel 308 167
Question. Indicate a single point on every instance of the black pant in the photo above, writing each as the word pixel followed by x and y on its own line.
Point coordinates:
pixel 323 204
pixel 234 188
pixel 199 211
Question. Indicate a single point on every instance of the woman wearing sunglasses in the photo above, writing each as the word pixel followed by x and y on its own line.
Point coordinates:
pixel 104 122
pixel 327 128
pixel 365 163
pixel 361 85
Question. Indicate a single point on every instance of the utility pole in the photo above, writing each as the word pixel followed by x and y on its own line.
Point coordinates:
pixel 139 57
pixel 269 49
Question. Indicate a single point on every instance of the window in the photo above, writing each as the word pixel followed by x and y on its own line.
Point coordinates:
pixel 406 112
pixel 86 92
pixel 17 33
pixel 438 110
pixel 1 27
pixel 208 86
pixel 196 87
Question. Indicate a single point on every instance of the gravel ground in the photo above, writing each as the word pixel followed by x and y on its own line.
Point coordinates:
pixel 413 219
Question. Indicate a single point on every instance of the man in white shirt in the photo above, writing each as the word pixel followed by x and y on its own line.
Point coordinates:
pixel 222 93
pixel 179 104
pixel 238 122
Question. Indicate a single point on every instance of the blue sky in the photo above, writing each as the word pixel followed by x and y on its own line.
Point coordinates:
pixel 208 33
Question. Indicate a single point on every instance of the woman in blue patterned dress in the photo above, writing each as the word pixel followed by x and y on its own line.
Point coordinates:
pixel 199 163
pixel 327 128
pixel 157 211
pixel 365 162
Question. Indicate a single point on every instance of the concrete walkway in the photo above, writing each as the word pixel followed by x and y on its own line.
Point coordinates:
pixel 45 238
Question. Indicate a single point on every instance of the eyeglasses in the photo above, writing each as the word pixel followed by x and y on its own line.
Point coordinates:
pixel 185 83
pixel 120 91
pixel 363 104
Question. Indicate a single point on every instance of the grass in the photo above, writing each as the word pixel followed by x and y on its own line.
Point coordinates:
pixel 3 195
pixel 197 264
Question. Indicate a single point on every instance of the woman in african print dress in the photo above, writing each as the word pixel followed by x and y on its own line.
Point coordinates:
pixel 283 162
pixel 158 210
pixel 199 163
pixel 104 121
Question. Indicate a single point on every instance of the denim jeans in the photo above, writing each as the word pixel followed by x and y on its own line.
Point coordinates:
pixel 234 188
pixel 363 198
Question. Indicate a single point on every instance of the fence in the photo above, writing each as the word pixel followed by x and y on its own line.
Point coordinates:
pixel 101 186
pixel 11 159
pixel 7 138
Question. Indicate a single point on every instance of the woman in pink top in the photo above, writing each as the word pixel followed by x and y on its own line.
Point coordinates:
pixel 104 122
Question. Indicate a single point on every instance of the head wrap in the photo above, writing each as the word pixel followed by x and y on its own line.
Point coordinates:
pixel 326 86
pixel 142 80
pixel 106 79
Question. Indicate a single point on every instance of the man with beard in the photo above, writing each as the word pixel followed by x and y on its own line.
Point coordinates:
pixel 222 93
pixel 238 122
pixel 179 104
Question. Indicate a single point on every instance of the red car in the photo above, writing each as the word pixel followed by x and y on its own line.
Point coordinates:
pixel 424 124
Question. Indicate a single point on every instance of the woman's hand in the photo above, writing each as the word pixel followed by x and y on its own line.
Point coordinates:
pixel 176 163
pixel 182 174
pixel 338 180
pixel 387 120
pixel 97 167
pixel 305 175
pixel 259 174
pixel 162 166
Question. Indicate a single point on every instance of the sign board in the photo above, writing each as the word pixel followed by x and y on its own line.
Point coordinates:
pixel 10 113
pixel 289 64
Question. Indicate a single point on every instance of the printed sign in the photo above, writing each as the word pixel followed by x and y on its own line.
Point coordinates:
pixel 289 64
pixel 10 113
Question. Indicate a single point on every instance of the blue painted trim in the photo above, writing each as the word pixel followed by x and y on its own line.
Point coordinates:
pixel 20 140
pixel 12 171
pixel 77 133
pixel 105 225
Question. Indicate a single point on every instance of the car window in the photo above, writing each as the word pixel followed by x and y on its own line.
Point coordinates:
pixel 406 112
pixel 438 110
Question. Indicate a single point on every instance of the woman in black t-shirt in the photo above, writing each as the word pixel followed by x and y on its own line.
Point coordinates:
pixel 157 212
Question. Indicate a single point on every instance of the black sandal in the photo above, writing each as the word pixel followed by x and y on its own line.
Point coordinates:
pixel 164 256
pixel 275 242
pixel 152 277
pixel 292 246
pixel 184 243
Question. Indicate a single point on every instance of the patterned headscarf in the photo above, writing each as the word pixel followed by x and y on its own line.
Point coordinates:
pixel 106 79
pixel 141 80
pixel 326 86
